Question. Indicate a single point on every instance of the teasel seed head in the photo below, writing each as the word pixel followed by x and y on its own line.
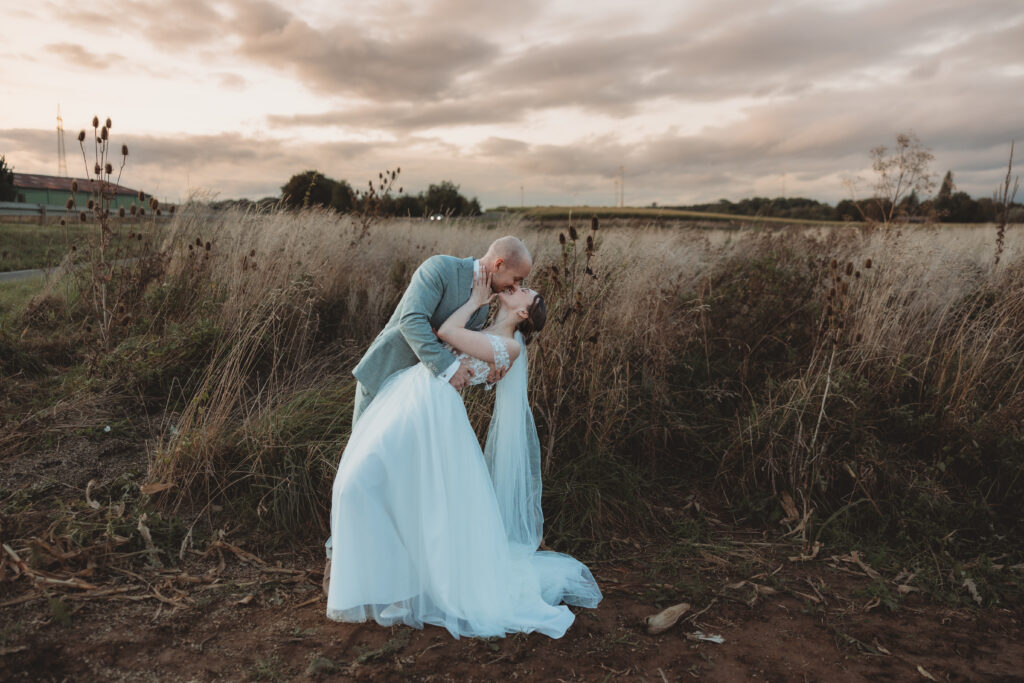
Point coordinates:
pixel 828 311
pixel 133 209
pixel 154 203
pixel 104 134
pixel 170 209
pixel 159 212
pixel 867 264
pixel 109 168
pixel 139 237
pixel 199 242
pixel 142 196
pixel 849 268
pixel 858 338
pixel 124 150
pixel 831 293
pixel 594 223
pixel 82 216
pixel 69 204
pixel 834 264
pixel 207 246
pixel 252 253
pixel 190 247
pixel 573 235
pixel 90 205
pixel 108 123
pixel 95 122
pixel 81 135
pixel 74 186
pixel 74 247
pixel 120 212
pixel 844 287
pixel 561 238
pixel 590 244
pixel 856 274
pixel 63 222
pixel 142 212
pixel 96 168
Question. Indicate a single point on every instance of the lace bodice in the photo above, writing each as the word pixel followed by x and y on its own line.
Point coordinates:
pixel 479 369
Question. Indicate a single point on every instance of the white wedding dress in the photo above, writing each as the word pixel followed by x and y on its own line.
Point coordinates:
pixel 427 529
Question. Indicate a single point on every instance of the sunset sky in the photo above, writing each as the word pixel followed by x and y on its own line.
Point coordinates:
pixel 698 100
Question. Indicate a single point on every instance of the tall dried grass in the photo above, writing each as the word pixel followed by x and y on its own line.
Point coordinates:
pixel 673 360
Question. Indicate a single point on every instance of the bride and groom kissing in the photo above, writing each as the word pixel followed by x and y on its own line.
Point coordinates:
pixel 427 527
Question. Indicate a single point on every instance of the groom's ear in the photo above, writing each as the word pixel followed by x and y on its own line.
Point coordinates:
pixel 498 263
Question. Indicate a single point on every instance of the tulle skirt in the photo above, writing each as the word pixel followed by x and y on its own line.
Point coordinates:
pixel 417 536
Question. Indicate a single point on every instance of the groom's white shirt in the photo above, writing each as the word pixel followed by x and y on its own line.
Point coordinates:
pixel 454 367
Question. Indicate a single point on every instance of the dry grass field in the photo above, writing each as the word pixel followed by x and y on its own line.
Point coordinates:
pixel 812 434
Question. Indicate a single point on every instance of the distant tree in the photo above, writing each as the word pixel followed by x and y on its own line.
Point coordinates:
pixel 961 208
pixel 7 191
pixel 407 205
pixel 946 188
pixel 309 188
pixel 909 205
pixel 849 210
pixel 342 197
pixel 445 198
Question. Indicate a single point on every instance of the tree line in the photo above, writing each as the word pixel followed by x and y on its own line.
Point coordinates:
pixel 949 205
pixel 312 188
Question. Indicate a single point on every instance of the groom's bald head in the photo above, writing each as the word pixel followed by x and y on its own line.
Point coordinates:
pixel 509 262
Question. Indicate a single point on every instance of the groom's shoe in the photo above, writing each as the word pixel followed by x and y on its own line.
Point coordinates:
pixel 327 576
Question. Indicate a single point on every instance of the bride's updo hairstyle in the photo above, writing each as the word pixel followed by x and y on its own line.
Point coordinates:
pixel 536 316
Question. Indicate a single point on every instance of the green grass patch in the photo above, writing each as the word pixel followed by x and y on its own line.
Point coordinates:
pixel 25 246
pixel 15 295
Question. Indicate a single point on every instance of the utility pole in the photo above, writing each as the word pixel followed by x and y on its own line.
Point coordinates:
pixel 62 157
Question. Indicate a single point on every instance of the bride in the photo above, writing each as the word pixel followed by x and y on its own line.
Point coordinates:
pixel 429 529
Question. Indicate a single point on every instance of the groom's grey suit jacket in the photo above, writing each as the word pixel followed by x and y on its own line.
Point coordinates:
pixel 439 286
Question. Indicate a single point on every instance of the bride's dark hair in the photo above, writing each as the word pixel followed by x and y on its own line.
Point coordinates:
pixel 536 317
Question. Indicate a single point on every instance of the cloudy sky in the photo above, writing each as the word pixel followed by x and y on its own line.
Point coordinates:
pixel 542 100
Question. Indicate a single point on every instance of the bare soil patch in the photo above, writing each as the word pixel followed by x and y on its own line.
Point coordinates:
pixel 224 613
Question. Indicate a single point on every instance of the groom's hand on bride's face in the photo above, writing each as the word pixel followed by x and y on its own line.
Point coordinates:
pixel 460 380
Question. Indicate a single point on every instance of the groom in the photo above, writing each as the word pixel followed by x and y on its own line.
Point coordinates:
pixel 439 286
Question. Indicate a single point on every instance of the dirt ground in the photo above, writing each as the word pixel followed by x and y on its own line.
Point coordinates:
pixel 263 622
pixel 782 611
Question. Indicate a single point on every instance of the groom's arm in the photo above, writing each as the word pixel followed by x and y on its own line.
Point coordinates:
pixel 424 296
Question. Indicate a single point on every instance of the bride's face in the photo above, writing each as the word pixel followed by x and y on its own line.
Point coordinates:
pixel 521 299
